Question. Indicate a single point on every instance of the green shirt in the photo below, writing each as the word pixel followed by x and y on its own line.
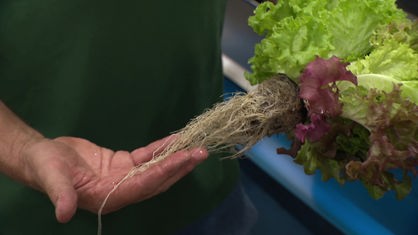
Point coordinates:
pixel 121 74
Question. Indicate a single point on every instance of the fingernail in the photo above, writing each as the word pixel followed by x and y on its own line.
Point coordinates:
pixel 199 153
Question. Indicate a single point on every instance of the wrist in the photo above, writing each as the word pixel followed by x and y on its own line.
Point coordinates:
pixel 25 150
pixel 15 137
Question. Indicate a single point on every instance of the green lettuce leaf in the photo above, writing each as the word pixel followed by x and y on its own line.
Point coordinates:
pixel 289 47
pixel 310 157
pixel 392 58
pixel 267 15
pixel 353 22
pixel 393 61
pixel 408 89
pixel 296 31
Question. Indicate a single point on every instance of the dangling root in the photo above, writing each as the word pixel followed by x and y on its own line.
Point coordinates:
pixel 273 107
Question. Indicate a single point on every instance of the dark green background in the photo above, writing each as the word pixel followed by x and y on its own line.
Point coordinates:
pixel 121 74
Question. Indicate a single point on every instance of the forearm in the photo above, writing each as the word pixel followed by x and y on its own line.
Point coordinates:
pixel 14 136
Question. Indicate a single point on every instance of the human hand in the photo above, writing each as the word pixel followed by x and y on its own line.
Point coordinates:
pixel 76 173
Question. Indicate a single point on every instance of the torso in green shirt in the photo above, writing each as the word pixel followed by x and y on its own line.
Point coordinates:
pixel 121 74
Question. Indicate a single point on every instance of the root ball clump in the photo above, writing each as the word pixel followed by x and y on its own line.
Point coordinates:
pixel 243 120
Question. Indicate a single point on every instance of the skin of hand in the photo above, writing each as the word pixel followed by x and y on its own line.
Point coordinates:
pixel 76 173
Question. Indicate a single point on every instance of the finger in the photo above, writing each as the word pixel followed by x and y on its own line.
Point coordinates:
pixel 57 183
pixel 198 155
pixel 163 174
pixel 146 153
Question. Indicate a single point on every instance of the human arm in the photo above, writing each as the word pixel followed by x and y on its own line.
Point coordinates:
pixel 76 173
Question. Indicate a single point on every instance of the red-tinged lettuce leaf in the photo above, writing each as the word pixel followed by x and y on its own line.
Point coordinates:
pixel 319 91
pixel 318 88
pixel 314 130
pixel 381 152
pixel 329 155
pixel 358 133
pixel 403 31
pixel 393 125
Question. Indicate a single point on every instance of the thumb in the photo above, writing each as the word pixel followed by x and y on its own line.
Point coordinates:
pixel 65 205
pixel 48 166
pixel 59 187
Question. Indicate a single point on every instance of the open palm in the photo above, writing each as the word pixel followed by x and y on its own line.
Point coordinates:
pixel 76 173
